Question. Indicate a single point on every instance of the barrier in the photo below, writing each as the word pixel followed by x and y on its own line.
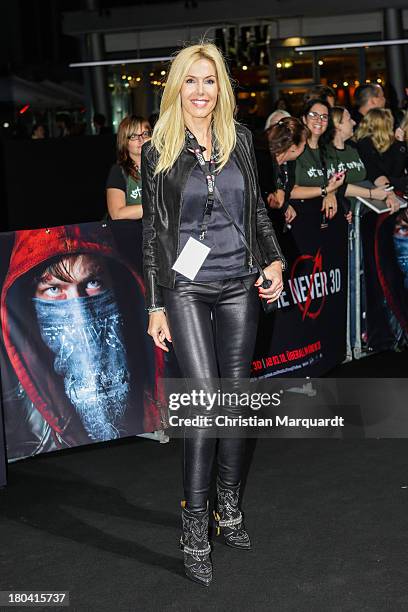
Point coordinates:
pixel 378 301
pixel 319 323
pixel 307 335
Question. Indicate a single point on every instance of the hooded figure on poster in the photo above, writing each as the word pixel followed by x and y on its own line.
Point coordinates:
pixel 77 366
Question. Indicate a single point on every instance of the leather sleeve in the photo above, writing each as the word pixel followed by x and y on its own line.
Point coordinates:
pixel 150 255
pixel 264 229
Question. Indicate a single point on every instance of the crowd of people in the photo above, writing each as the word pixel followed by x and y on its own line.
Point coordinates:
pixel 313 166
pixel 321 160
pixel 213 205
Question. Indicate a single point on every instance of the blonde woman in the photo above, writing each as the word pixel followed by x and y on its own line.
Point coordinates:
pixel 124 184
pixel 385 158
pixel 199 176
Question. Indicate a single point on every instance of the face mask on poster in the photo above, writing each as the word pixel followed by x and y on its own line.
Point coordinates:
pixel 85 335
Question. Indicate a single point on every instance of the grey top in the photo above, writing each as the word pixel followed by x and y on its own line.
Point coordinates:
pixel 227 258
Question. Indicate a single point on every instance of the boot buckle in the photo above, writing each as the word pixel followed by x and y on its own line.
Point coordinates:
pixel 194 551
pixel 226 522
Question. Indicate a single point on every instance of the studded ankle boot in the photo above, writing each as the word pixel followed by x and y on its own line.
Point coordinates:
pixel 194 543
pixel 228 517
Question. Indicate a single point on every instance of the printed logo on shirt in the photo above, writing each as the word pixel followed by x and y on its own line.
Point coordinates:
pixel 342 166
pixel 136 193
pixel 314 172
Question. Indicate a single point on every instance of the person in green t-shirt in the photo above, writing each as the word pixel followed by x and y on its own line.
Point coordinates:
pixel 343 157
pixel 124 184
pixel 312 181
pixel 322 171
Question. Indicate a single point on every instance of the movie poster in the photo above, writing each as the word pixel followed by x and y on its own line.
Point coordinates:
pixel 77 365
pixel 307 334
pixel 3 472
pixel 385 259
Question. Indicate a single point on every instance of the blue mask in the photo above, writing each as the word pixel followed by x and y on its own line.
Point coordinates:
pixel 86 336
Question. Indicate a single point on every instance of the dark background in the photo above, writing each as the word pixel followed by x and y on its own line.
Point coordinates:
pixel 54 181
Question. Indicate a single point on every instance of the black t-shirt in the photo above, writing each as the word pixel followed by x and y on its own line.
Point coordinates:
pixel 116 178
pixel 393 163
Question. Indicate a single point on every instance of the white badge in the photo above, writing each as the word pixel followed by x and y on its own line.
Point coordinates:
pixel 191 258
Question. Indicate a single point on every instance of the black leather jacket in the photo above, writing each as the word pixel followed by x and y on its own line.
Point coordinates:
pixel 162 203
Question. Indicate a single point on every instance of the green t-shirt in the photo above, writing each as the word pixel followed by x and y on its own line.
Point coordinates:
pixel 309 168
pixel 346 159
pixel 133 191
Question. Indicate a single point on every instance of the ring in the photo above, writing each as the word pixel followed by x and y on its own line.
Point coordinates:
pixel 330 207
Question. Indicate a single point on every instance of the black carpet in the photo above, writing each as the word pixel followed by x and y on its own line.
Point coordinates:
pixel 328 520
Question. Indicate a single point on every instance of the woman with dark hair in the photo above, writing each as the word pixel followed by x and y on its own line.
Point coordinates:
pixel 313 181
pixel 202 206
pixel 124 184
pixel 286 141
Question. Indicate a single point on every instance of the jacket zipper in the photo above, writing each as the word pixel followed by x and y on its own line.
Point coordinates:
pixel 250 258
pixel 180 211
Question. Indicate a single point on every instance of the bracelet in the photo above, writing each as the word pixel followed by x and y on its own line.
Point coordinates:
pixel 156 309
pixel 323 191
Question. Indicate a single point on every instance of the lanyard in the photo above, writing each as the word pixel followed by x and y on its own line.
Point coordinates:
pixel 209 179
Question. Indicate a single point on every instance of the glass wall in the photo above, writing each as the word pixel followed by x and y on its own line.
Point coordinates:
pixel 263 81
pixel 136 88
pixel 375 64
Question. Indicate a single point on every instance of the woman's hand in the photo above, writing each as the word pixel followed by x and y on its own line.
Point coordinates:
pixel 392 203
pixel 276 199
pixel 335 181
pixel 349 217
pixel 273 272
pixel 329 205
pixel 399 134
pixel 290 214
pixel 379 193
pixel 158 329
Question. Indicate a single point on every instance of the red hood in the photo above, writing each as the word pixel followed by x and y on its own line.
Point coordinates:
pixel 35 247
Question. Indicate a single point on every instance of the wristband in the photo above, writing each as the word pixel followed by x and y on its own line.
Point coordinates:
pixel 156 309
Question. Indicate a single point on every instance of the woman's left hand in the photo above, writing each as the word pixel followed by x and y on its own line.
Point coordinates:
pixel 329 205
pixel 276 199
pixel 273 272
pixel 290 214
pixel 392 203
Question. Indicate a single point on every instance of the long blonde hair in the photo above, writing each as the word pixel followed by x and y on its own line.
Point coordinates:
pixel 169 132
pixel 404 126
pixel 377 124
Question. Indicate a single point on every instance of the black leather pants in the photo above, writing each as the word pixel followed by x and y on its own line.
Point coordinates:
pixel 213 327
